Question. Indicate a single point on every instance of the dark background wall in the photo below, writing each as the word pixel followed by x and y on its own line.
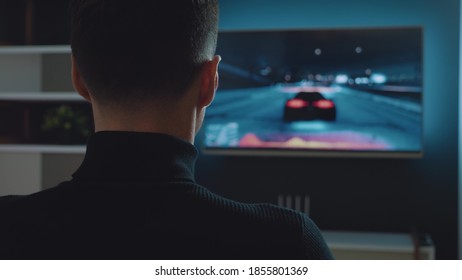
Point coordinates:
pixel 33 22
pixel 391 195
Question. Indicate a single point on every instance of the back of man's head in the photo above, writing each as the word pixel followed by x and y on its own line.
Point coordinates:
pixel 133 50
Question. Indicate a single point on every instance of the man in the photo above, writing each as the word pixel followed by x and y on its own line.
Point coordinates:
pixel 149 70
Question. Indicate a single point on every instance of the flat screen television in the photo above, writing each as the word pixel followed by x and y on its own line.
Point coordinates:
pixel 351 92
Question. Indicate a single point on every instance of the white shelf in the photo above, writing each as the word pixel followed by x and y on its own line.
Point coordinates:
pixel 34 74
pixel 375 246
pixel 9 50
pixel 396 242
pixel 40 96
pixel 45 149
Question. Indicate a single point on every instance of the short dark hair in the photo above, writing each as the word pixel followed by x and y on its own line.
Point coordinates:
pixel 130 50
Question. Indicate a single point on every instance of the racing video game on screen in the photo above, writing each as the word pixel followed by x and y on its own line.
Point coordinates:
pixel 318 90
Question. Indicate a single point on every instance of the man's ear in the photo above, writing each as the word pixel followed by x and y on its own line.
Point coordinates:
pixel 209 81
pixel 77 81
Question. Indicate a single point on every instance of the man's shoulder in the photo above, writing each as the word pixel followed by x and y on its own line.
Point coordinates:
pixel 285 233
pixel 28 200
pixel 270 230
pixel 181 198
pixel 264 225
pixel 8 199
pixel 226 207
pixel 182 213
pixel 20 212
pixel 8 202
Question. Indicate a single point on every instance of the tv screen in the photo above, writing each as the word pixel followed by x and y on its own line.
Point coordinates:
pixel 323 92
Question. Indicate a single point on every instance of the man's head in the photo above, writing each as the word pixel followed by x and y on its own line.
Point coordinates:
pixel 128 50
pixel 128 54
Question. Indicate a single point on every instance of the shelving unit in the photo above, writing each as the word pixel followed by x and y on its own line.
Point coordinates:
pixel 39 96
pixel 346 245
pixel 34 76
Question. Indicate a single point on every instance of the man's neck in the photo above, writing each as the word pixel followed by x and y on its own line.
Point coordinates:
pixel 179 122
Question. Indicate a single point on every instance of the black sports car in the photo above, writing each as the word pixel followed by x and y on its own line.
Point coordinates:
pixel 309 106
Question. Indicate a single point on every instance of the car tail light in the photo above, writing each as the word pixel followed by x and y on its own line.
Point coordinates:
pixel 324 104
pixel 297 103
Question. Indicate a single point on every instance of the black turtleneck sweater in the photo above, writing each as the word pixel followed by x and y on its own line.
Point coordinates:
pixel 134 197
